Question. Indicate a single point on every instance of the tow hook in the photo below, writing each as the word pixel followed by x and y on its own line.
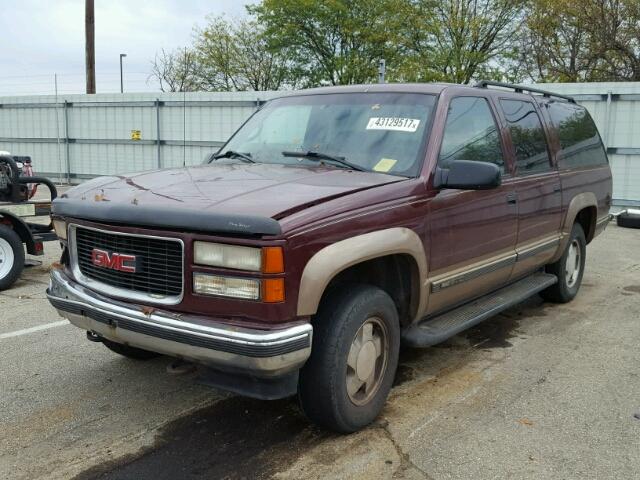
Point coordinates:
pixel 93 337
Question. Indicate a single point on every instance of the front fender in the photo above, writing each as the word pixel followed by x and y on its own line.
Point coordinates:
pixel 22 229
pixel 333 259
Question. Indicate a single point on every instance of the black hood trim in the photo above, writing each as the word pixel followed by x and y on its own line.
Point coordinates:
pixel 177 218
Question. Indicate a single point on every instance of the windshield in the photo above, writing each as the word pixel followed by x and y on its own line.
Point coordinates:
pixel 379 132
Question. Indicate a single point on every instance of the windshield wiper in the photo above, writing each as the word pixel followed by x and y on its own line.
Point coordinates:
pixel 245 157
pixel 323 156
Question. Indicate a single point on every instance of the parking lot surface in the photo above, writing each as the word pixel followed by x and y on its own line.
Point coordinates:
pixel 541 391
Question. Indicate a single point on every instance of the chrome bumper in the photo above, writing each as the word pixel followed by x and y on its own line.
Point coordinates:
pixel 257 352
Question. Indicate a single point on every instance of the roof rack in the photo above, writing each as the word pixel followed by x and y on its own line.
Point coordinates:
pixel 521 89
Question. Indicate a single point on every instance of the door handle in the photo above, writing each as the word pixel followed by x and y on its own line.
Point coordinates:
pixel 557 187
pixel 512 198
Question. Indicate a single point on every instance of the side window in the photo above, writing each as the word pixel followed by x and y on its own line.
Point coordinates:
pixel 470 133
pixel 579 139
pixel 528 137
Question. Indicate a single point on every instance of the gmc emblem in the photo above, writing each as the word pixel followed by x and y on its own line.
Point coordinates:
pixel 113 261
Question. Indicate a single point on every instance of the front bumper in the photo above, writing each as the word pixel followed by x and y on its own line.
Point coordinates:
pixel 261 353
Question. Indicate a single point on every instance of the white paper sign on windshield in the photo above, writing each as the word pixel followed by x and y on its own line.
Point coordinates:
pixel 393 123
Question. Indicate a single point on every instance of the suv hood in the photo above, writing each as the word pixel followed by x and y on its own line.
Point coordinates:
pixel 270 191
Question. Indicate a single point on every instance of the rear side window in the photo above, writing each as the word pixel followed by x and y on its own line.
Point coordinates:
pixel 579 139
pixel 528 137
pixel 470 133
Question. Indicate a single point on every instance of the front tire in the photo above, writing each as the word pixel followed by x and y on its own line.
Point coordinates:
pixel 356 341
pixel 11 257
pixel 569 269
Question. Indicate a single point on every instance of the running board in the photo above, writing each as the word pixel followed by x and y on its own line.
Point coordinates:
pixel 434 330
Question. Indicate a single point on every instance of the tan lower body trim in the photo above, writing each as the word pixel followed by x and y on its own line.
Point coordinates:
pixel 472 280
pixel 535 254
pixel 472 273
pixel 532 249
pixel 522 253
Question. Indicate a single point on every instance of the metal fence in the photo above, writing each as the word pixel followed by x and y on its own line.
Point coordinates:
pixel 75 137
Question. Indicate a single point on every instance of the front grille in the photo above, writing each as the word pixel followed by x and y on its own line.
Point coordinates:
pixel 158 262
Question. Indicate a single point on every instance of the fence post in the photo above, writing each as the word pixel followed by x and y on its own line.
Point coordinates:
pixel 158 132
pixel 66 141
pixel 382 68
pixel 607 132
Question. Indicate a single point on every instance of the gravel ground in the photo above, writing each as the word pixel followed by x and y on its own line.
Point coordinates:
pixel 541 391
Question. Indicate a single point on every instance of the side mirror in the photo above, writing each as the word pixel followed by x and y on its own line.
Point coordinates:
pixel 468 175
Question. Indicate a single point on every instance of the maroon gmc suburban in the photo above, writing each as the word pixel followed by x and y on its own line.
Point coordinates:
pixel 335 225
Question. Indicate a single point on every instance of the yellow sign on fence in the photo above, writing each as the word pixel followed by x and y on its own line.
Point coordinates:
pixel 136 135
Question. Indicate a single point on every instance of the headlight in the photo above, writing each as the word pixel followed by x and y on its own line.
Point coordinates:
pixel 228 256
pixel 245 288
pixel 60 226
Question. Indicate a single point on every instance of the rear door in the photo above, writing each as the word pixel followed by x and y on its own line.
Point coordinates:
pixel 472 233
pixel 537 185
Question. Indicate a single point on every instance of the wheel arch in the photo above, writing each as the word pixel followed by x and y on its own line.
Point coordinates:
pixel 370 251
pixel 582 208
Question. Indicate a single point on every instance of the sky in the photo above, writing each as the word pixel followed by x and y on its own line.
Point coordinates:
pixel 41 38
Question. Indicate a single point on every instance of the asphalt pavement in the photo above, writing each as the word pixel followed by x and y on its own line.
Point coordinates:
pixel 542 391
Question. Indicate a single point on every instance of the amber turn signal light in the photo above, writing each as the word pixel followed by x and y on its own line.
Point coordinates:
pixel 272 260
pixel 273 290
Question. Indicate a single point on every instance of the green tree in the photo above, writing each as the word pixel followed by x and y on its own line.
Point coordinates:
pixel 614 26
pixel 335 42
pixel 458 40
pixel 594 40
pixel 302 43
pixel 175 71
pixel 233 56
pixel 557 42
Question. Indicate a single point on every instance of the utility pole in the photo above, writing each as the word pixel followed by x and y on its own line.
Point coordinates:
pixel 121 82
pixel 90 47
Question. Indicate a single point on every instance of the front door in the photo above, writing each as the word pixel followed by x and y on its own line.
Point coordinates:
pixel 472 233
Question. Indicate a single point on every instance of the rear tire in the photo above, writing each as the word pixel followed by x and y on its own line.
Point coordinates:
pixel 128 351
pixel 569 269
pixel 356 341
pixel 11 257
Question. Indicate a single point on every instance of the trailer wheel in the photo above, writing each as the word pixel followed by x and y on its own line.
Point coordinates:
pixel 11 257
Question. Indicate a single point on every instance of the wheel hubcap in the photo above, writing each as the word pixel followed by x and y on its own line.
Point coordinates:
pixel 6 258
pixel 573 264
pixel 367 361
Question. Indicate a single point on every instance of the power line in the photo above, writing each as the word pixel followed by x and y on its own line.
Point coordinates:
pixel 73 83
pixel 70 74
